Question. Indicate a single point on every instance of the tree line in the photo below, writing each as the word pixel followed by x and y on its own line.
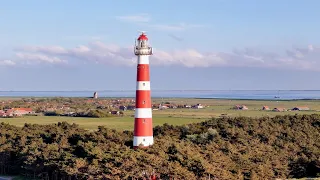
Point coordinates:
pixel 222 148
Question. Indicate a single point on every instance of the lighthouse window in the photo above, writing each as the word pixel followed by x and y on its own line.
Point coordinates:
pixel 144 139
pixel 143 102
pixel 144 120
pixel 144 84
pixel 143 43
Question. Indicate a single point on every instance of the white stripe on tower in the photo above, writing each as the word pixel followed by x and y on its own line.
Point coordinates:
pixel 143 85
pixel 143 59
pixel 143 113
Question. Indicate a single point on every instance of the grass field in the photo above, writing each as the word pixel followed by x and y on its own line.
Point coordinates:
pixel 178 116
pixel 120 123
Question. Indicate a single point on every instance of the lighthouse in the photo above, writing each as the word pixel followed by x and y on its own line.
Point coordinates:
pixel 143 130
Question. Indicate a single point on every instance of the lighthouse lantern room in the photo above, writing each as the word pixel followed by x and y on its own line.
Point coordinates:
pixel 142 46
pixel 143 130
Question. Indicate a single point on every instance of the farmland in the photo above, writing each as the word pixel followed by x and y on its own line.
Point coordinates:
pixel 213 108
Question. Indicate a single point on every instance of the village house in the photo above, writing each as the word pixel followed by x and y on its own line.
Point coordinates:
pixel 123 108
pixel 22 111
pixel 115 112
pixel 197 106
pixel 173 106
pixel 265 108
pixel 277 109
pixel 240 107
pixel 16 112
pixel 161 107
pixel 302 108
pixel 2 113
pixel 237 107
pixel 131 107
pixel 70 114
pixel 187 106
pixel 155 105
pixel 244 107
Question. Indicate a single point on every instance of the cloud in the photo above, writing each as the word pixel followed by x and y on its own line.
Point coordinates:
pixel 36 55
pixel 307 58
pixel 145 20
pixel 39 58
pixel 139 18
pixel 86 37
pixel 175 27
pixel 43 49
pixel 7 63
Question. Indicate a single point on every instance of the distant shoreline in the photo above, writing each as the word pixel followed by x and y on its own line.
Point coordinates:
pixel 231 99
pixel 270 95
pixel 175 90
pixel 244 99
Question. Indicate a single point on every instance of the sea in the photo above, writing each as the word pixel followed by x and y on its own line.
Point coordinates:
pixel 217 94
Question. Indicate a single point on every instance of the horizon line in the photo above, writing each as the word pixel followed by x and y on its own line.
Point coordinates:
pixel 160 90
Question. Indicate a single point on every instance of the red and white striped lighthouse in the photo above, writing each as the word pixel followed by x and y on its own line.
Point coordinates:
pixel 143 132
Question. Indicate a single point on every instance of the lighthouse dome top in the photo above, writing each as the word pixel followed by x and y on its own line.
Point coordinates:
pixel 142 37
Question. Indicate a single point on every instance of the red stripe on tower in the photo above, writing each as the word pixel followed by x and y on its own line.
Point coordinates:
pixel 143 73
pixel 143 130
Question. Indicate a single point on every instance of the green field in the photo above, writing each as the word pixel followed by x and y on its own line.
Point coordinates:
pixel 120 123
pixel 177 116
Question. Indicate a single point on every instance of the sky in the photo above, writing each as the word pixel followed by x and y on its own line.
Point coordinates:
pixel 198 45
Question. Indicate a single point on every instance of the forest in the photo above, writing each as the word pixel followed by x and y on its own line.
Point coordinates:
pixel 221 148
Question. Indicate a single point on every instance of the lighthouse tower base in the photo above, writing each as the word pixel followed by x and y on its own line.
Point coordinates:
pixel 142 141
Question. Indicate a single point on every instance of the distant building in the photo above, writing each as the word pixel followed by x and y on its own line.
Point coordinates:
pixel 115 112
pixel 95 95
pixel 279 109
pixel 187 106
pixel 303 108
pixel 131 107
pixel 163 106
pixel 16 112
pixel 240 107
pixel 155 106
pixel 244 107
pixel 197 106
pixel 2 113
pixel 265 108
pixel 123 108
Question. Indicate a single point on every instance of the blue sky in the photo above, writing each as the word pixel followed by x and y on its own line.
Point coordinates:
pixel 204 44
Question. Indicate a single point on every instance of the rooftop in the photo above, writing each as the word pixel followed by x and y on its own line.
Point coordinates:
pixel 143 37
